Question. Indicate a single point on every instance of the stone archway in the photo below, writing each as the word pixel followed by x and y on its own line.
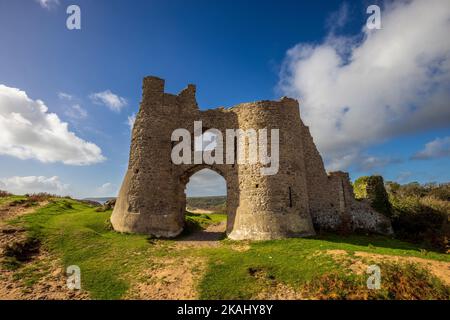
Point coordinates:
pixel 259 207
pixel 232 194
pixel 211 173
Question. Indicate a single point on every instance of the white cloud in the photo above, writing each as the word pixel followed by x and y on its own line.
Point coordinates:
pixel 206 182
pixel 33 184
pixel 339 18
pixel 361 161
pixel 29 131
pixel 107 189
pixel 76 112
pixel 356 93
pixel 438 148
pixel 130 121
pixel 48 4
pixel 109 99
pixel 64 96
pixel 370 162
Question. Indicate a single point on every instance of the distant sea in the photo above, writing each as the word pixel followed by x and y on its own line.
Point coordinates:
pixel 100 200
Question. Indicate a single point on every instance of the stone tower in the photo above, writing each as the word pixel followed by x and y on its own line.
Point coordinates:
pixel 291 203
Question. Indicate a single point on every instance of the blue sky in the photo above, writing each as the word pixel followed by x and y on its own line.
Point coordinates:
pixel 234 52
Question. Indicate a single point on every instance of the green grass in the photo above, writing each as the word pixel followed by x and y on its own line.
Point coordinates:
pixel 79 235
pixel 379 245
pixel 7 200
pixel 203 220
pixel 293 262
pixel 214 203
pixel 110 261
pixel 231 274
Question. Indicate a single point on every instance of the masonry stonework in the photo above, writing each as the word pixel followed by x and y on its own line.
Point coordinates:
pixel 298 200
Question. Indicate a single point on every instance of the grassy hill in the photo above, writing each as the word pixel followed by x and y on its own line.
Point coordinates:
pixel 58 233
pixel 214 203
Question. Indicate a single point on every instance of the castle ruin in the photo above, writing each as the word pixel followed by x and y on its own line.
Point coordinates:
pixel 298 200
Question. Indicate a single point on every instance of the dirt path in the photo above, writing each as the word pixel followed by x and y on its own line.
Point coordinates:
pixel 209 237
pixel 173 278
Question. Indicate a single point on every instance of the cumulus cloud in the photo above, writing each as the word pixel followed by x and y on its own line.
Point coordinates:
pixel 438 148
pixel 361 162
pixel 109 99
pixel 130 121
pixel 48 4
pixel 357 91
pixel 34 184
pixel 29 131
pixel 370 162
pixel 107 189
pixel 206 183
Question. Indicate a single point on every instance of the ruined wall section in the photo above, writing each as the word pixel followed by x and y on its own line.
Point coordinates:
pixel 323 198
pixel 331 199
pixel 357 215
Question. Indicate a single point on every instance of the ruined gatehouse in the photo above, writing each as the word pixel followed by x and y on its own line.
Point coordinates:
pixel 298 200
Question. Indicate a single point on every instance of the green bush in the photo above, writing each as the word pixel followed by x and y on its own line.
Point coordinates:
pixel 414 221
pixel 372 188
pixel 4 194
pixel 415 189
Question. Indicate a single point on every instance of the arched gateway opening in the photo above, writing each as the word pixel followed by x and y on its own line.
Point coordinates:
pixel 206 205
pixel 207 193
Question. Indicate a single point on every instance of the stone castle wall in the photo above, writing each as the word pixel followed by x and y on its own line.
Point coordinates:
pixel 291 203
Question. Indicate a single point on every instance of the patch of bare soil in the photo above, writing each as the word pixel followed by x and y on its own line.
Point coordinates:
pixel 440 269
pixel 279 291
pixel 357 266
pixel 272 289
pixel 39 276
pixel 9 211
pixel 209 237
pixel 168 279
pixel 50 282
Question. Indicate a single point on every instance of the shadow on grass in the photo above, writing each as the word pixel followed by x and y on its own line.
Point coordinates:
pixel 202 235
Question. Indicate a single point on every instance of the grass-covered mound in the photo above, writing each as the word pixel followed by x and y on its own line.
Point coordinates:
pixel 112 263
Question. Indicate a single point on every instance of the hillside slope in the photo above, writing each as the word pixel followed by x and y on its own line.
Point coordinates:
pixel 64 232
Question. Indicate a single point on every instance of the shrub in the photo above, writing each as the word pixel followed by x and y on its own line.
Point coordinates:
pixel 4 194
pixel 409 282
pixel 413 220
pixel 441 192
pixel 372 188
pixel 398 282
pixel 39 197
